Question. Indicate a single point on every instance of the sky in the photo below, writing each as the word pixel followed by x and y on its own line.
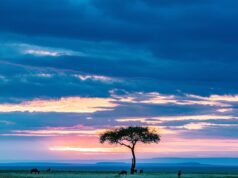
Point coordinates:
pixel 71 69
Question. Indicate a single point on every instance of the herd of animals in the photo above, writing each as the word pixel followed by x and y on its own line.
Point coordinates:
pixel 123 172
pixel 36 171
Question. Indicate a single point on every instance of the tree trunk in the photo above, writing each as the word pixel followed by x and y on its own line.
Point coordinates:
pixel 133 163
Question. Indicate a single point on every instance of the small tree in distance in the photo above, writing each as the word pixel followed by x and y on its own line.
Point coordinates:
pixel 129 137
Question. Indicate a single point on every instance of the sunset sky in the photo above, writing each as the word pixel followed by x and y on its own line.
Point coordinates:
pixel 71 69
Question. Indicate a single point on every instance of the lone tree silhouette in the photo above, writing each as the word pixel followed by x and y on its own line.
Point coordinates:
pixel 129 137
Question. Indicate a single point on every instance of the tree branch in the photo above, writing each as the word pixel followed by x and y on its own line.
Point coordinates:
pixel 121 143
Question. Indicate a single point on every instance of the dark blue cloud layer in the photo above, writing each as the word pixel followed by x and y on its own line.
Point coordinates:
pixel 198 30
pixel 173 47
pixel 191 44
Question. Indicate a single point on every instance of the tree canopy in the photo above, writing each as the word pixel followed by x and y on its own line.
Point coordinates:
pixel 130 136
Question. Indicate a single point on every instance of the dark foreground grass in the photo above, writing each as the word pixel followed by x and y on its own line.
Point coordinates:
pixel 75 174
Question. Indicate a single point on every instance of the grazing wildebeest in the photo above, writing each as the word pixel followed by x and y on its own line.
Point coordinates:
pixel 179 174
pixel 141 171
pixel 48 170
pixel 123 172
pixel 35 170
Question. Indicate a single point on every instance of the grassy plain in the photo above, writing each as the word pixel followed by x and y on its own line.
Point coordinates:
pixel 77 174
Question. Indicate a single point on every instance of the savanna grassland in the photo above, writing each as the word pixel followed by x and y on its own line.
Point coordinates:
pixel 75 174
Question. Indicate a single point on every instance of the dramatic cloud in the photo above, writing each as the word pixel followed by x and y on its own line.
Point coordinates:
pixel 69 70
pixel 70 104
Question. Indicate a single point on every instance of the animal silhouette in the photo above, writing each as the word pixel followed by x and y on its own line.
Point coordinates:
pixel 35 171
pixel 48 170
pixel 141 171
pixel 123 172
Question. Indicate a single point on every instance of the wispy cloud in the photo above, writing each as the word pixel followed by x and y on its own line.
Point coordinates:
pixel 158 98
pixel 159 120
pixel 202 125
pixel 96 78
pixel 49 132
pixel 35 50
pixel 4 122
pixel 225 98
pixel 67 104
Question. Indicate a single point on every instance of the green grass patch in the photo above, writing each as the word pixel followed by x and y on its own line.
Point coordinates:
pixel 77 174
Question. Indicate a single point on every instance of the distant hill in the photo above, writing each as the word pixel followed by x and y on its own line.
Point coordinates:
pixel 189 167
pixel 209 161
pixel 111 163
pixel 149 164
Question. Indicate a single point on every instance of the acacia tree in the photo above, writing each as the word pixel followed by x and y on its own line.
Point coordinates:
pixel 129 137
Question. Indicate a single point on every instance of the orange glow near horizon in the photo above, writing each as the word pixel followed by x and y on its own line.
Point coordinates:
pixel 87 150
pixel 170 145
